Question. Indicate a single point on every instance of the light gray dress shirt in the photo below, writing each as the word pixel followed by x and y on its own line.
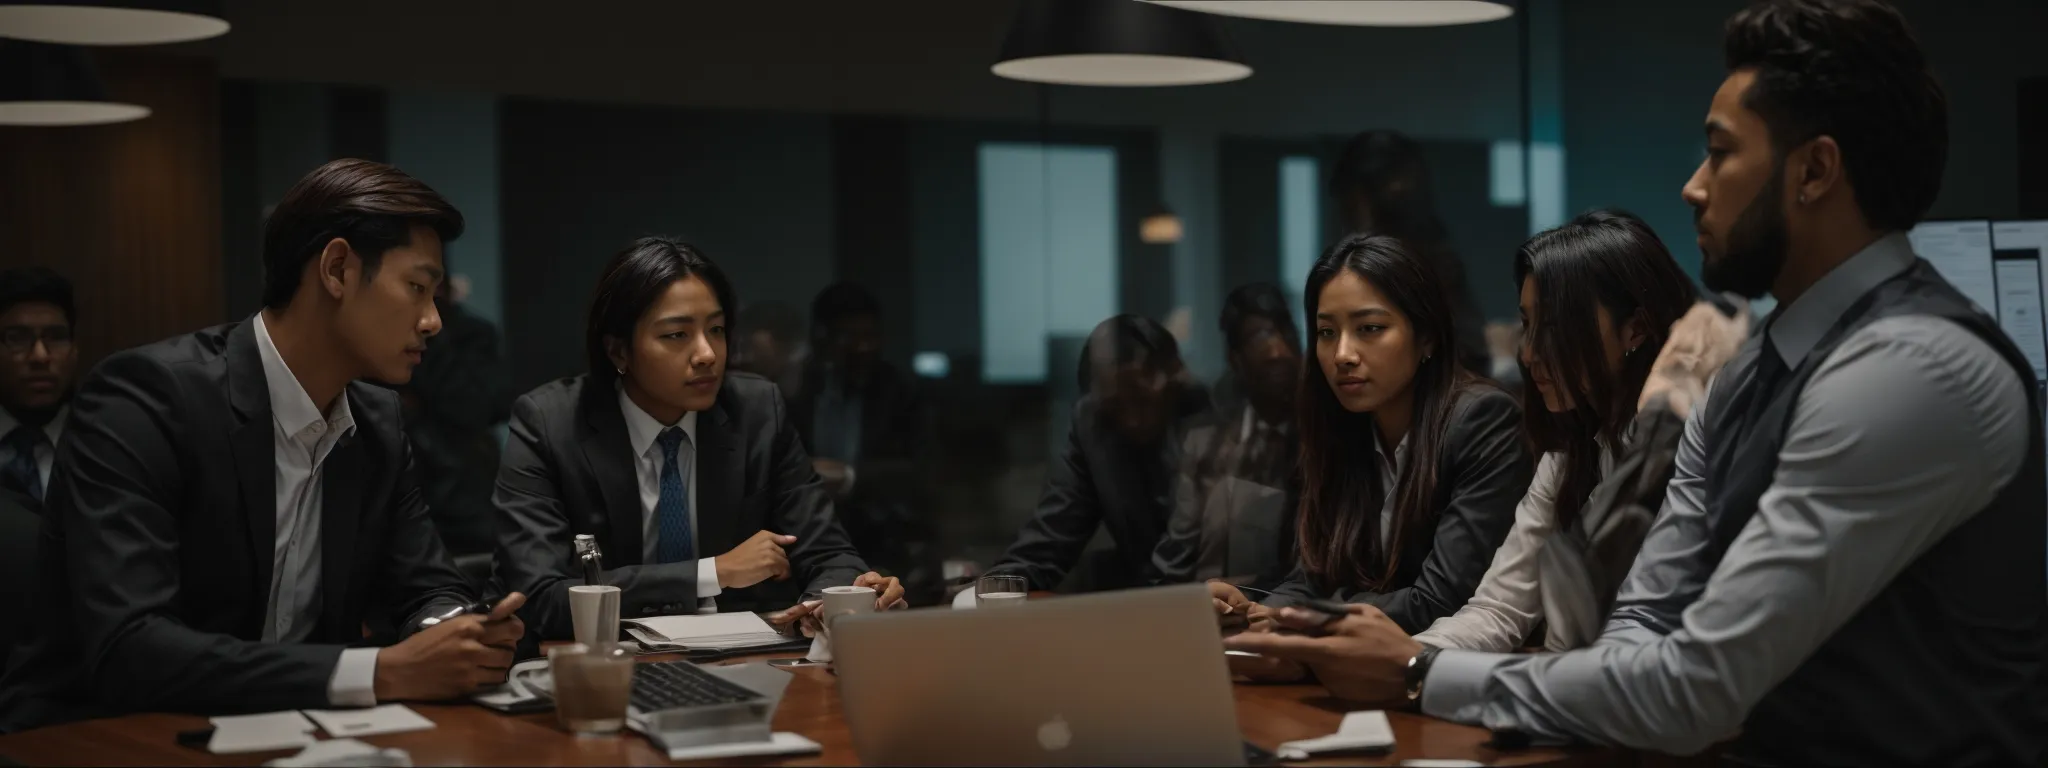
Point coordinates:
pixel 302 438
pixel 1908 428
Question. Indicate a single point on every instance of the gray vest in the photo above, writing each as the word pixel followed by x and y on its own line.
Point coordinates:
pixel 1945 666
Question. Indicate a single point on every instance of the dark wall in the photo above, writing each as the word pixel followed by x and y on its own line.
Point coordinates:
pixel 129 212
pixel 580 181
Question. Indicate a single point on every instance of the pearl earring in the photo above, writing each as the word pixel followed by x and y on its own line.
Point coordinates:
pixel 1802 198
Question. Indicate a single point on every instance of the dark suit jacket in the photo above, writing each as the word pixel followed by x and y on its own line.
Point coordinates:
pixel 1102 480
pixel 159 532
pixel 20 537
pixel 1482 475
pixel 569 470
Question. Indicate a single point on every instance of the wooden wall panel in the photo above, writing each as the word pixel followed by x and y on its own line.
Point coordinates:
pixel 130 212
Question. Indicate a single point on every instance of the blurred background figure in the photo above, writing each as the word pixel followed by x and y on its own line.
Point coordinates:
pixel 772 344
pixel 1235 495
pixel 863 424
pixel 459 394
pixel 37 362
pixel 1117 469
pixel 1381 185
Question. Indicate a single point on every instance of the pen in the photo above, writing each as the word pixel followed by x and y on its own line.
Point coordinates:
pixel 480 608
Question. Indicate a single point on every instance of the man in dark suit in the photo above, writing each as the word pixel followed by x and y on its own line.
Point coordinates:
pixel 1117 470
pixel 37 359
pixel 861 421
pixel 228 505
pixel 667 460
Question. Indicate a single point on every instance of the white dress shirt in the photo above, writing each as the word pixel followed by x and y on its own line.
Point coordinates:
pixel 1910 427
pixel 1511 598
pixel 46 454
pixel 302 439
pixel 642 433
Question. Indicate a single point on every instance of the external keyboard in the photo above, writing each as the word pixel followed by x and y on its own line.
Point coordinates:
pixel 667 685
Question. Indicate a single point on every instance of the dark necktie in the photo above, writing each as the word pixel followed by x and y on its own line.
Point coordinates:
pixel 672 513
pixel 1733 455
pixel 21 474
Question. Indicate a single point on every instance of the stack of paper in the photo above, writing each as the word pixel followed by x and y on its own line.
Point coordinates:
pixel 260 733
pixel 716 631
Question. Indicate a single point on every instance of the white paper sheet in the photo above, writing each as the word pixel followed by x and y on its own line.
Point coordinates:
pixel 709 631
pixel 780 743
pixel 390 718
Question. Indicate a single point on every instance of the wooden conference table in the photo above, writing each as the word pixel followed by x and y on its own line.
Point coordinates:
pixel 472 735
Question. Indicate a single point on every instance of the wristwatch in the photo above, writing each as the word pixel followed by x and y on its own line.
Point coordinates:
pixel 1418 670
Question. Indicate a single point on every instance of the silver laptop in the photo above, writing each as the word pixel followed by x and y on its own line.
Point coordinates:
pixel 1119 678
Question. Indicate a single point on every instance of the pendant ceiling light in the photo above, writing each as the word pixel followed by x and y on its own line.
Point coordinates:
pixel 1115 42
pixel 111 22
pixel 45 85
pixel 1373 13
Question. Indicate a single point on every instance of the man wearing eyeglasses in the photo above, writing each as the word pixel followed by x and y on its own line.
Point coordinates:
pixel 36 364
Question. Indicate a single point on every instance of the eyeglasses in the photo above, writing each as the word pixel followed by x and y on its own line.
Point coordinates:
pixel 21 339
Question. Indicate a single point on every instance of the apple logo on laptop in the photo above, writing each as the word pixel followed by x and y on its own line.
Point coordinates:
pixel 1054 735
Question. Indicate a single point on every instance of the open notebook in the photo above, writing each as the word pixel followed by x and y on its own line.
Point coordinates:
pixel 712 631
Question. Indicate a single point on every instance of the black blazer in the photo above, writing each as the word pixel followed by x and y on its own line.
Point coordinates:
pixel 1485 469
pixel 569 470
pixel 159 530
pixel 1101 480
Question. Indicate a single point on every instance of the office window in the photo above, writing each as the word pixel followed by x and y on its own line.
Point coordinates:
pixel 1048 251
pixel 1300 223
pixel 1535 180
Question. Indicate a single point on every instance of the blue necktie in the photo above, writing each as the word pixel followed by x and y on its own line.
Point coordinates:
pixel 672 513
pixel 21 473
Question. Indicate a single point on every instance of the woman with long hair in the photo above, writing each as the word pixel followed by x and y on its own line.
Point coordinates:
pixel 1411 465
pixel 1599 296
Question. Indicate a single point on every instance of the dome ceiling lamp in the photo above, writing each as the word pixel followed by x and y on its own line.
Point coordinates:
pixel 53 85
pixel 111 22
pixel 1368 13
pixel 1115 43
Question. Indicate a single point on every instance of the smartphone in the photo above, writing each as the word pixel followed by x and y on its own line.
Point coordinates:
pixel 1330 610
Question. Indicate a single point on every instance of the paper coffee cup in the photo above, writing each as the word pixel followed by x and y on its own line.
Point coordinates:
pixel 594 611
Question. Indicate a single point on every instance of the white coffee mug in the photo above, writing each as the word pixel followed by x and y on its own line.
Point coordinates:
pixel 594 610
pixel 842 601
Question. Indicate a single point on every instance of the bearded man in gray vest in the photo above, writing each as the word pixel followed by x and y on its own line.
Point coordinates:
pixel 1847 569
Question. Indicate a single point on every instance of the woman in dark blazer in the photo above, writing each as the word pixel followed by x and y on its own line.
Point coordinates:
pixel 1411 466
pixel 692 480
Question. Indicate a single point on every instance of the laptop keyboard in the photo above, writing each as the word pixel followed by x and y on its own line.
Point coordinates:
pixel 677 684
